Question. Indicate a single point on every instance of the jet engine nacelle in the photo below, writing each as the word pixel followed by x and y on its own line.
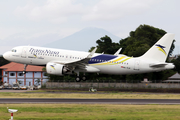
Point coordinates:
pixel 56 69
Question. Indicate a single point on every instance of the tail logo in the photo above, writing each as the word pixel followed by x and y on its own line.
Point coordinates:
pixel 161 48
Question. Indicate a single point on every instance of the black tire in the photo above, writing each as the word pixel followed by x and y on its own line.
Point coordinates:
pixel 84 78
pixel 78 79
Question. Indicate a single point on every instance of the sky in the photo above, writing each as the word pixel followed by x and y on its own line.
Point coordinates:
pixel 39 22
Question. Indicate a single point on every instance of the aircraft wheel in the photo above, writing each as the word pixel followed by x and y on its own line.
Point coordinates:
pixel 84 78
pixel 24 72
pixel 78 79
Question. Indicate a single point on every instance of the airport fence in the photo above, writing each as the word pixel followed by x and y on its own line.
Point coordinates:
pixel 112 84
pixel 113 81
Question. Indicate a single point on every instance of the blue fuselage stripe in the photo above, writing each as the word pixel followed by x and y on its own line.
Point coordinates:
pixel 99 58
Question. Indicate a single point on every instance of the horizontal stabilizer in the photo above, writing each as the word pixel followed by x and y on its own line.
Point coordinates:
pixel 158 64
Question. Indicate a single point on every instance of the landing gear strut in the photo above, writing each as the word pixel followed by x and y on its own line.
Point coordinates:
pixel 78 78
pixel 84 77
pixel 24 71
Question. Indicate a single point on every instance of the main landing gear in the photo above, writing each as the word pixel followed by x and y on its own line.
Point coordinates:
pixel 78 79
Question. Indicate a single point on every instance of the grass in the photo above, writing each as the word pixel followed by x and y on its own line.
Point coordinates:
pixel 90 111
pixel 119 95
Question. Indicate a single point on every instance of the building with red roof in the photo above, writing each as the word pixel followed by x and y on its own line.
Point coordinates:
pixel 13 72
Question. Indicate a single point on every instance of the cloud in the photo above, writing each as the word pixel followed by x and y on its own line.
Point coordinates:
pixel 59 11
pixel 116 9
pixel 55 11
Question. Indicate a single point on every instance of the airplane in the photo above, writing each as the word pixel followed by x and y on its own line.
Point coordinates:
pixel 62 62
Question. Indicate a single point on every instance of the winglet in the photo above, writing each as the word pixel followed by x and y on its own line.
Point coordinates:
pixel 92 53
pixel 117 53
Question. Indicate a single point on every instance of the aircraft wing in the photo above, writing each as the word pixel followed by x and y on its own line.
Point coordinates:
pixel 81 64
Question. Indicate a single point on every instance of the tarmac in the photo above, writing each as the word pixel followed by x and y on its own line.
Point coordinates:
pixel 89 101
pixel 82 101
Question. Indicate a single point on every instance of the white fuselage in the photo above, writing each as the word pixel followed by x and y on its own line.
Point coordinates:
pixel 108 64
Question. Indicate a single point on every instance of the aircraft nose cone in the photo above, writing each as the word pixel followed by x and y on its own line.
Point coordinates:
pixel 6 55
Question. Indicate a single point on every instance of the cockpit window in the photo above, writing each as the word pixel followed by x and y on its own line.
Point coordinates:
pixel 13 50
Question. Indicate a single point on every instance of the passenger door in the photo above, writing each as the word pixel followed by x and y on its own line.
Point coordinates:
pixel 136 64
pixel 24 52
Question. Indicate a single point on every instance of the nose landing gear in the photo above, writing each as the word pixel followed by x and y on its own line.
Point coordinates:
pixel 24 71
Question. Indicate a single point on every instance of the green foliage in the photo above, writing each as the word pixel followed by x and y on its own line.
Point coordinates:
pixel 1 82
pixel 3 61
pixel 19 81
pixel 105 45
pixel 141 40
pixel 44 69
pixel 90 112
pixel 38 81
pixel 43 86
pixel 177 64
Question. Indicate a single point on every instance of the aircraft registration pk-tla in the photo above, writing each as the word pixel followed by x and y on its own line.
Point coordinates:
pixel 62 62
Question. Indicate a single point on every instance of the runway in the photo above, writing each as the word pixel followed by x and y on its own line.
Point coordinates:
pixel 88 101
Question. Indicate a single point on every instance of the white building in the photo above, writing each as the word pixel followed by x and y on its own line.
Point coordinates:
pixel 12 72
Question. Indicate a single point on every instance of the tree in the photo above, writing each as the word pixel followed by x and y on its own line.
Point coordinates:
pixel 105 45
pixel 19 81
pixel 38 81
pixel 177 64
pixel 3 61
pixel 140 40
